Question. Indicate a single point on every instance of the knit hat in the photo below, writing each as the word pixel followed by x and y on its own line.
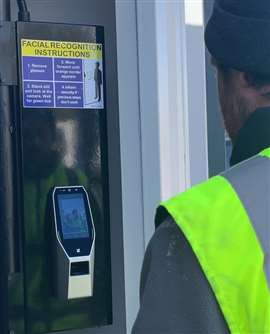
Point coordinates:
pixel 238 35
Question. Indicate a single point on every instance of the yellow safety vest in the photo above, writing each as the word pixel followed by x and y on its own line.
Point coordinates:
pixel 219 230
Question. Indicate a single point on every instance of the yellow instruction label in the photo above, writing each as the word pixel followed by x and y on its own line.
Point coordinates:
pixel 61 49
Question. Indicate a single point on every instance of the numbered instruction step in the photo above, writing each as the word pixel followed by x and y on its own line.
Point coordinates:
pixel 50 82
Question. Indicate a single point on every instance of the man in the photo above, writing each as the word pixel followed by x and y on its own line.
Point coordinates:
pixel 98 81
pixel 207 267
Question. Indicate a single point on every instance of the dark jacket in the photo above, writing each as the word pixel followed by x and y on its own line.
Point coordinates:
pixel 175 296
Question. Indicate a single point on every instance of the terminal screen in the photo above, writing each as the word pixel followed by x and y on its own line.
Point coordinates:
pixel 73 216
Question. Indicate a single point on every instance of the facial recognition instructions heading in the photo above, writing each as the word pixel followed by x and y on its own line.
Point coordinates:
pixel 60 74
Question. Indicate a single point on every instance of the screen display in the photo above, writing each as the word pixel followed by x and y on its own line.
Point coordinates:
pixel 73 216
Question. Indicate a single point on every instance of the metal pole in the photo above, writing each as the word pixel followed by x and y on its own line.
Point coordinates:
pixel 6 184
pixel 4 10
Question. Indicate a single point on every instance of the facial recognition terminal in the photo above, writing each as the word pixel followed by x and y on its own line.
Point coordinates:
pixel 61 278
pixel 74 233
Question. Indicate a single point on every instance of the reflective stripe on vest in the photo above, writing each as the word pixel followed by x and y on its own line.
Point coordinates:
pixel 221 234
pixel 265 153
pixel 251 181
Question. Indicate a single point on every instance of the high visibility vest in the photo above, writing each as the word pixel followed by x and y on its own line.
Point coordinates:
pixel 232 254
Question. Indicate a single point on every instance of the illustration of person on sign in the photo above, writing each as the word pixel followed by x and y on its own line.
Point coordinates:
pixel 98 81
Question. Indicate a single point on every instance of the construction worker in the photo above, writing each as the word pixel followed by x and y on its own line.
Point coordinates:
pixel 207 267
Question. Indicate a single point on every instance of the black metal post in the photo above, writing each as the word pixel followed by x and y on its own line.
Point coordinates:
pixel 6 184
pixel 24 14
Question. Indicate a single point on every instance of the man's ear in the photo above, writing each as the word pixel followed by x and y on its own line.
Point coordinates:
pixel 245 80
pixel 240 80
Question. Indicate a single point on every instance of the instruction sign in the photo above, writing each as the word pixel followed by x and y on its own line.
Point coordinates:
pixel 58 74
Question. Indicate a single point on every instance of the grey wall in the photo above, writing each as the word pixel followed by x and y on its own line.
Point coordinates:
pixel 98 12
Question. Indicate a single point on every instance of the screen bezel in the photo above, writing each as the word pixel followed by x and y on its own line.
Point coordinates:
pixel 72 246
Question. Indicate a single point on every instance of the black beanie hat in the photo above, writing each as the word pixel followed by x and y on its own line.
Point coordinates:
pixel 238 35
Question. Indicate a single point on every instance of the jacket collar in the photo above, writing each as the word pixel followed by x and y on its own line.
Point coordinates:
pixel 253 137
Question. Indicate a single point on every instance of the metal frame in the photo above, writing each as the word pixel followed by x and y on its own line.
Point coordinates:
pixel 216 133
pixel 131 154
pixel 172 98
pixel 7 194
pixel 172 92
pixel 88 14
pixel 196 90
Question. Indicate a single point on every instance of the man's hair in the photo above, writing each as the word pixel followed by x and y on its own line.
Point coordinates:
pixel 253 79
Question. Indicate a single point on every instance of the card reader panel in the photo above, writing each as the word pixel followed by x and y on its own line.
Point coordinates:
pixel 74 243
